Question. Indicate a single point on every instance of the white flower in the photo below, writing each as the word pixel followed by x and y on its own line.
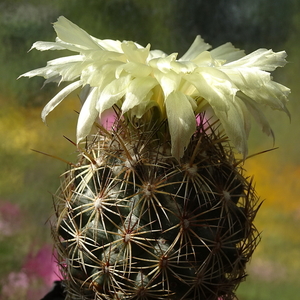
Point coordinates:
pixel 234 85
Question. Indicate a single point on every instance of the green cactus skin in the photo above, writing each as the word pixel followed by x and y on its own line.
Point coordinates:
pixel 134 223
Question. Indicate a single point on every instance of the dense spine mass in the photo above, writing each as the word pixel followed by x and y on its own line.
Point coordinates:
pixel 134 223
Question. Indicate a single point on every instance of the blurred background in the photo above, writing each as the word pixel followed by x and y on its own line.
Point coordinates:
pixel 28 179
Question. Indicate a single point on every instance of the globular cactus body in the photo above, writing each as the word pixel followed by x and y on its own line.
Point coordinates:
pixel 135 223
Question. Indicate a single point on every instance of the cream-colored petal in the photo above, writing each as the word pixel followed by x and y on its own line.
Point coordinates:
pixel 256 111
pixel 258 85
pixel 192 101
pixel 99 74
pixel 69 68
pixel 181 121
pixel 263 59
pixel 110 45
pixel 104 56
pixel 204 59
pixel 59 97
pixel 43 46
pixel 57 45
pixel 182 67
pixel 142 108
pixel 227 52
pixel 38 72
pixel 134 69
pixel 112 92
pixel 133 53
pixel 73 34
pixel 196 48
pixel 153 54
pixel 214 86
pixel 65 60
pixel 278 96
pixel 233 123
pixel 87 115
pixel 169 82
pixel 137 91
pixel 163 64
pixel 246 115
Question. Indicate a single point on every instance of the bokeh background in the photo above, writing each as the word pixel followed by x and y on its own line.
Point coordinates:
pixel 28 179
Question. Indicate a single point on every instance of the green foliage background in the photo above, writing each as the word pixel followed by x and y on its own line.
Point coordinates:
pixel 28 179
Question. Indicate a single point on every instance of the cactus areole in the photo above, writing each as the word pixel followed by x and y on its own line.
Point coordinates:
pixel 157 205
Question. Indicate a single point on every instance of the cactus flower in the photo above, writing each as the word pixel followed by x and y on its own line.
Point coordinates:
pixel 137 79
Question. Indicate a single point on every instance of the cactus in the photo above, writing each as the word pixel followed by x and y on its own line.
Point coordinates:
pixel 134 223
pixel 158 206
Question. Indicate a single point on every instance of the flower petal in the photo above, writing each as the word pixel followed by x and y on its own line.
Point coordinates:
pixel 214 86
pixel 233 123
pixel 109 45
pixel 135 54
pixel 169 82
pixel 227 52
pixel 142 108
pixel 258 85
pixel 163 64
pixel 73 34
pixel 42 46
pixel 112 92
pixel 68 68
pixel 87 115
pixel 196 48
pixel 99 74
pixel 255 109
pixel 59 97
pixel 181 120
pixel 156 54
pixel 134 69
pixel 263 59
pixel 137 91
